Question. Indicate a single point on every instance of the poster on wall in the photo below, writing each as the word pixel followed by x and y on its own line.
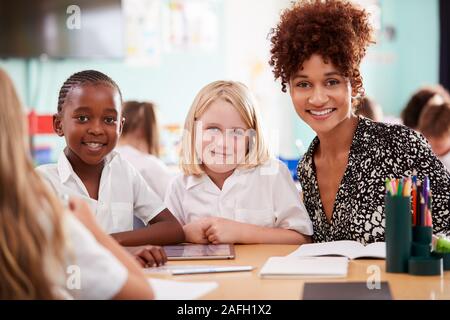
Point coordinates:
pixel 190 25
pixel 142 32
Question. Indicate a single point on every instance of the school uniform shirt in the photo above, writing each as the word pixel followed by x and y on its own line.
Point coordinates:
pixel 378 151
pixel 153 170
pixel 92 271
pixel 122 192
pixel 264 196
pixel 445 159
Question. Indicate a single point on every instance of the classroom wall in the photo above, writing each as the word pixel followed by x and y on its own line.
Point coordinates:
pixel 248 24
pixel 392 70
pixel 172 83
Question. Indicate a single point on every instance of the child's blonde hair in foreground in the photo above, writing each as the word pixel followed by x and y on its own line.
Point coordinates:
pixel 239 96
pixel 31 232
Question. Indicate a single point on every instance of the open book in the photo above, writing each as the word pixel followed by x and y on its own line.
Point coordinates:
pixel 346 248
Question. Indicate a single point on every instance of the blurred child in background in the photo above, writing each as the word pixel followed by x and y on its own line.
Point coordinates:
pixel 411 114
pixel 434 124
pixel 369 109
pixel 139 144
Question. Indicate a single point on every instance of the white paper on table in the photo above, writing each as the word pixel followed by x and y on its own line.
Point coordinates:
pixel 180 290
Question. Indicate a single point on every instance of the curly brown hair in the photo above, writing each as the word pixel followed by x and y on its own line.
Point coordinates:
pixel 337 30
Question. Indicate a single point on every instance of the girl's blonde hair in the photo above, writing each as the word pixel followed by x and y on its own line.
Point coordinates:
pixel 239 96
pixel 31 232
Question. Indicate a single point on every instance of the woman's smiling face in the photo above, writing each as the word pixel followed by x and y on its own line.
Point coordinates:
pixel 320 94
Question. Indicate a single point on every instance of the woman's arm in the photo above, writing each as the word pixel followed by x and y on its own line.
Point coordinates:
pixel 136 286
pixel 164 229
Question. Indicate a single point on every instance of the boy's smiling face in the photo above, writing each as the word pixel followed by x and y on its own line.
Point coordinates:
pixel 90 121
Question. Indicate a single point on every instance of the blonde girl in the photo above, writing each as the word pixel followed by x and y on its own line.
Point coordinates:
pixel 230 190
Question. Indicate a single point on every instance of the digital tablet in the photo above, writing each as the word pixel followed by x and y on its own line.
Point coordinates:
pixel 200 251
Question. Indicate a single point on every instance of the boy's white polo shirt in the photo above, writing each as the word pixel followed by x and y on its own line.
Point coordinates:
pixel 122 192
pixel 264 196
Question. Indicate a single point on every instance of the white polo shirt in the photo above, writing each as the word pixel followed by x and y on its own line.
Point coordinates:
pixel 264 196
pixel 445 159
pixel 122 193
pixel 101 275
pixel 153 170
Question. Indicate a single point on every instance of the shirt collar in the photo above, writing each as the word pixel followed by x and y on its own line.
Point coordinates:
pixel 195 180
pixel 65 169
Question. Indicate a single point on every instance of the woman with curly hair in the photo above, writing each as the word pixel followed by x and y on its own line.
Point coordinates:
pixel 317 48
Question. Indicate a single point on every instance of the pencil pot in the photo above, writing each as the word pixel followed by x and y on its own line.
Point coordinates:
pixel 445 259
pixel 420 250
pixel 425 266
pixel 398 233
pixel 421 237
pixel 422 234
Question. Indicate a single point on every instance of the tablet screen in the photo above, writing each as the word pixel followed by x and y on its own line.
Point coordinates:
pixel 199 251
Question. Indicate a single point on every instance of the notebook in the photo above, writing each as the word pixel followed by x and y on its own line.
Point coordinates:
pixel 345 291
pixel 301 267
pixel 346 248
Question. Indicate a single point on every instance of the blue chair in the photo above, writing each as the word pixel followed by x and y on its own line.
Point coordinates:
pixel 292 166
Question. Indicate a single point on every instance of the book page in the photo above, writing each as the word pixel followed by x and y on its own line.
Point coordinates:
pixel 375 250
pixel 346 248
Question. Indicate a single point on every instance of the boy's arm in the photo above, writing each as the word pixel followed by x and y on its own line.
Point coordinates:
pixel 164 229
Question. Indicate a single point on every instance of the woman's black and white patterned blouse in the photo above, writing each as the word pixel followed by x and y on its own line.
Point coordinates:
pixel 378 151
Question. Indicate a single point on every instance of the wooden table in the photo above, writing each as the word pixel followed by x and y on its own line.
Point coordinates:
pixel 248 285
